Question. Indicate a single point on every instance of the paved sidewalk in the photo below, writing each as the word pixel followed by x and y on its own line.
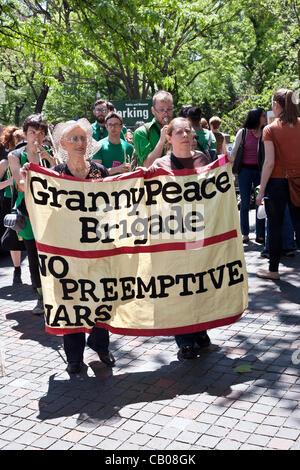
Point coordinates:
pixel 150 400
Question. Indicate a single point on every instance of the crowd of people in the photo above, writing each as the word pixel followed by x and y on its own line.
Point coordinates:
pixel 265 157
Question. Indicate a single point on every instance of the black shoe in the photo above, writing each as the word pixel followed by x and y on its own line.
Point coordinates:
pixel 203 340
pixel 107 358
pixel 17 277
pixel 186 352
pixel 74 367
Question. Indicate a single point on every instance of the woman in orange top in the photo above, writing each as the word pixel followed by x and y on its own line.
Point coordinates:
pixel 282 159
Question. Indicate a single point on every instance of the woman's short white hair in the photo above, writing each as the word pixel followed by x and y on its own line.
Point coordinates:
pixel 63 128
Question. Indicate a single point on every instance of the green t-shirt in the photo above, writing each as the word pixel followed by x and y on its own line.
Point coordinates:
pixel 206 140
pixel 7 190
pixel 113 155
pixel 99 133
pixel 145 141
pixel 27 233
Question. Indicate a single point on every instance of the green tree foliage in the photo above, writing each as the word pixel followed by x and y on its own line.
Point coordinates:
pixel 226 56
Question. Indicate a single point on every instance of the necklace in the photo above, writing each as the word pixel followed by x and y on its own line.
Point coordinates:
pixel 80 172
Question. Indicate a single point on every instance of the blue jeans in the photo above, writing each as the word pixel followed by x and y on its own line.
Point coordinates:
pixel 288 242
pixel 249 178
pixel 278 194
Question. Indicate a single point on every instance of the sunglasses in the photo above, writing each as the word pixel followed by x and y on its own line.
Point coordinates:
pixel 76 138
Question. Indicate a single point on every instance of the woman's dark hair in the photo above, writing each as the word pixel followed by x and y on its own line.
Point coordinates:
pixel 194 114
pixel 285 99
pixel 184 109
pixel 253 118
pixel 36 121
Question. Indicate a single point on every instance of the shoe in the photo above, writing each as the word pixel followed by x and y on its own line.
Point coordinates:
pixel 245 238
pixel 74 367
pixel 273 275
pixel 107 358
pixel 265 254
pixel 186 352
pixel 17 277
pixel 260 240
pixel 203 340
pixel 39 308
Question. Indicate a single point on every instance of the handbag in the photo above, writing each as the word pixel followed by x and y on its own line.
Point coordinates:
pixel 10 241
pixel 294 188
pixel 237 164
pixel 16 221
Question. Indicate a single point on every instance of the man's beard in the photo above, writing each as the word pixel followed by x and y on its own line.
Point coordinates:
pixel 101 120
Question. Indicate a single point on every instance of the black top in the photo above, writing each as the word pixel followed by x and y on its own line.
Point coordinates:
pixel 96 170
pixel 3 152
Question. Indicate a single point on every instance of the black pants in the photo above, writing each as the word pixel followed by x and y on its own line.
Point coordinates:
pixel 74 344
pixel 187 339
pixel 277 192
pixel 33 261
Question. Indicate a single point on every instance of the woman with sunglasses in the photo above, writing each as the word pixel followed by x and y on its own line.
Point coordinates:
pixel 74 146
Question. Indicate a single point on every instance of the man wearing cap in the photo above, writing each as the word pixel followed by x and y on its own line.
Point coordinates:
pixel 149 139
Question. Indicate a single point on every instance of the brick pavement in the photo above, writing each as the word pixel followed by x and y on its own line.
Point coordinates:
pixel 150 400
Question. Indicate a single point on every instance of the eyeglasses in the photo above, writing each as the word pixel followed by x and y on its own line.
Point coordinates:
pixel 100 110
pixel 164 111
pixel 76 138
pixel 116 124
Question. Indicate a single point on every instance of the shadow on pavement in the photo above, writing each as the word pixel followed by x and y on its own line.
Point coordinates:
pixel 100 399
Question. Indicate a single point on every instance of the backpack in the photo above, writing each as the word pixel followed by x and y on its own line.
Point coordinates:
pixel 211 154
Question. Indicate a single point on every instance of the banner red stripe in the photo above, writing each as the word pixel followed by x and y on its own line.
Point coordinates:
pixel 140 172
pixel 179 246
pixel 149 332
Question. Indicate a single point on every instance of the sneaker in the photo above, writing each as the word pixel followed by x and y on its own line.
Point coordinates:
pixel 17 277
pixel 273 275
pixel 246 239
pixel 39 308
pixel 186 352
pixel 203 340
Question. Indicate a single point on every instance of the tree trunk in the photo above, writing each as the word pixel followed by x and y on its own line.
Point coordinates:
pixel 41 98
pixel 18 110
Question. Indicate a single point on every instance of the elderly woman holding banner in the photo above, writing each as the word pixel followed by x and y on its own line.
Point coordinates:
pixel 74 145
pixel 180 135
